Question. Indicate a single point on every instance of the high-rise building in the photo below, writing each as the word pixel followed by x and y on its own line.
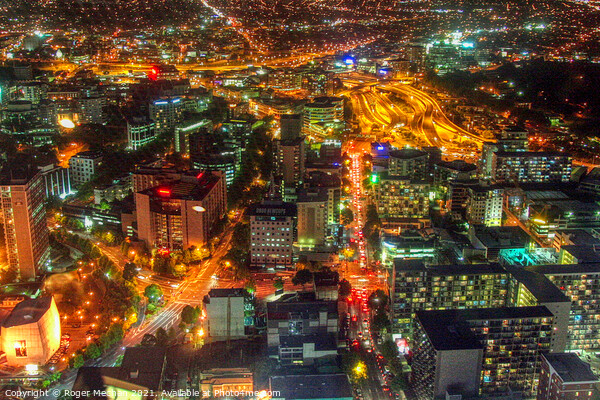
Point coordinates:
pixel 312 217
pixel 186 128
pixel 291 126
pixel 166 113
pixel 409 163
pixel 484 205
pixel 513 340
pixel 57 180
pixel 398 197
pixel 321 113
pixel 581 284
pixel 272 234
pixel 140 132
pixel 83 166
pixel 22 192
pixel 182 213
pixel 91 110
pixel 285 79
pixel 531 167
pixel 564 376
pixel 290 161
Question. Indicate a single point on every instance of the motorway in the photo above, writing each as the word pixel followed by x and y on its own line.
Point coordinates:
pixel 405 115
pixel 191 291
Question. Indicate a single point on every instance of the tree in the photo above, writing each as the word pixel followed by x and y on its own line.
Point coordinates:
pixel 162 337
pixel 92 351
pixel 347 216
pixel 378 300
pixel 149 340
pixel 190 314
pixel 302 277
pixel 153 293
pixel 345 288
pixel 129 272
pixel 381 321
pixel 77 361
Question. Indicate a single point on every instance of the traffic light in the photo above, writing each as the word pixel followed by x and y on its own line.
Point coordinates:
pixel 374 178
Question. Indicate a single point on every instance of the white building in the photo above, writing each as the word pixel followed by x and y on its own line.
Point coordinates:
pixel 312 218
pixel 484 206
pixel 91 110
pixel 225 313
pixel 31 334
pixel 272 233
pixel 83 166
pixel 140 132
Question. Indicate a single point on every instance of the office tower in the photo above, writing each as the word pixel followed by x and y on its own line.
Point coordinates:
pixel 565 376
pixel 409 163
pixel 513 341
pixel 408 244
pixel 322 113
pixel 484 205
pixel 290 161
pixel 272 234
pixel 57 180
pixel 291 126
pixel 398 197
pixel 284 79
pixel 184 129
pixel 166 113
pixel 181 213
pixel 331 183
pixel 22 192
pixel 211 151
pixel 83 166
pixel 140 132
pixel 312 217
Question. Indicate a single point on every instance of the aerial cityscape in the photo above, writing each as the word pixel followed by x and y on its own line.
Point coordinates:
pixel 300 199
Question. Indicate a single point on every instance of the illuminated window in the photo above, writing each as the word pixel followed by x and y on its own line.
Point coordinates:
pixel 21 348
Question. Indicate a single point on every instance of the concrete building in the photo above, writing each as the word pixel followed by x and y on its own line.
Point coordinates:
pixel 456 170
pixel 513 341
pixel 140 132
pixel 22 194
pixel 564 376
pixel 219 381
pixel 438 352
pixel 291 126
pixel 184 129
pixel 301 329
pixel 531 167
pixel 225 312
pixel 166 113
pixel 311 387
pixel 57 180
pixel 30 334
pixel 484 205
pixel 181 214
pixel 91 110
pixel 398 197
pixel 143 372
pixel 322 111
pixel 409 163
pixel 290 158
pixel 272 234
pixel 83 166
pixel 312 218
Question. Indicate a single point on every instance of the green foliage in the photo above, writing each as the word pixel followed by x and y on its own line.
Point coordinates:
pixel 190 314
pixel 399 383
pixel 76 361
pixel 154 293
pixel 148 340
pixel 345 288
pixel 92 351
pixel 381 322
pixel 347 216
pixel 129 272
pixel 302 277
pixel 378 300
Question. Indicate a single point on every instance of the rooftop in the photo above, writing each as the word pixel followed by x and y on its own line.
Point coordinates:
pixel 28 311
pixel 452 269
pixel 570 367
pixel 539 285
pixel 503 237
pixel 565 269
pixel 227 292
pixel 584 253
pixel 447 334
pixel 273 209
pixel 331 386
pixel 187 188
pixel 407 153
